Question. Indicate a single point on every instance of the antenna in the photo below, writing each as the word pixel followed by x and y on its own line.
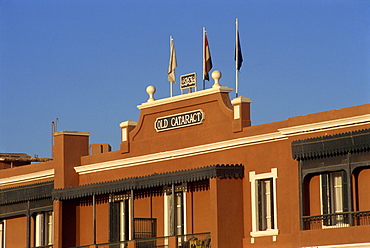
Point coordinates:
pixel 54 126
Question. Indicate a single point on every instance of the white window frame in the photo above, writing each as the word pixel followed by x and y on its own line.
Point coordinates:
pixel 167 214
pixel 122 200
pixel 123 229
pixel 253 178
pixel 2 233
pixel 44 228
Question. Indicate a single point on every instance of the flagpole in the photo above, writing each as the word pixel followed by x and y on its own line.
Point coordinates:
pixel 171 91
pixel 203 58
pixel 236 58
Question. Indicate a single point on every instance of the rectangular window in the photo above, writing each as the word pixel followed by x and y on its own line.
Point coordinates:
pixel 119 218
pixel 263 194
pixel 175 211
pixel 43 228
pixel 265 204
pixel 2 234
pixel 334 198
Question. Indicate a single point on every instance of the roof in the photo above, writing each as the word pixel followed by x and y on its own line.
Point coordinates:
pixel 25 193
pixel 149 181
pixel 20 157
pixel 331 145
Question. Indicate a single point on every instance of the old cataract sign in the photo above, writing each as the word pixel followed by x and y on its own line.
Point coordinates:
pixel 179 120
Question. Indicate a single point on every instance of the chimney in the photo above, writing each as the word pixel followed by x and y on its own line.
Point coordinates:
pixel 126 128
pixel 69 147
pixel 242 113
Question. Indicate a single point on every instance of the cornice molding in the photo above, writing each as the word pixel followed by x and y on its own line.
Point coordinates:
pixel 188 96
pixel 75 133
pixel 30 177
pixel 180 153
pixel 326 125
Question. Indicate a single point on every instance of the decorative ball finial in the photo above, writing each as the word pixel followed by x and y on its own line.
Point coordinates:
pixel 216 75
pixel 150 90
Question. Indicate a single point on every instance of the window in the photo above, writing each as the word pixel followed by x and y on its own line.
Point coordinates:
pixel 175 211
pixel 120 218
pixel 43 228
pixel 334 198
pixel 2 234
pixel 263 193
pixel 265 204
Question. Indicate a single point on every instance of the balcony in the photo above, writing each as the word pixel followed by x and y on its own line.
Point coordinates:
pixel 197 240
pixel 200 240
pixel 337 220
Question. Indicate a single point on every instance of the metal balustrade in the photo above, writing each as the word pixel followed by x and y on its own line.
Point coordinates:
pixel 159 242
pixel 145 228
pixel 196 240
pixel 337 220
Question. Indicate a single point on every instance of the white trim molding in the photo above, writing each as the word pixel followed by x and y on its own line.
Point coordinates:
pixel 35 176
pixel 76 133
pixel 326 125
pixel 253 178
pixel 184 97
pixel 180 153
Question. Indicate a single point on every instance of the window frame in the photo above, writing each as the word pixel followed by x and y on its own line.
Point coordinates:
pixel 254 179
pixel 121 218
pixel 2 233
pixel 43 228
pixel 329 198
pixel 169 211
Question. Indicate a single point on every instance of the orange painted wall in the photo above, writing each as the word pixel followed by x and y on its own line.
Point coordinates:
pixel 226 212
pixel 315 201
pixel 158 213
pixel 102 220
pixel 84 223
pixel 199 208
pixel 363 190
pixel 143 207
pixel 16 232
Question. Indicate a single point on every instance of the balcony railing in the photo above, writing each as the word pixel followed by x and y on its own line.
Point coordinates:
pixel 197 240
pixel 158 242
pixel 122 244
pixel 145 228
pixel 336 220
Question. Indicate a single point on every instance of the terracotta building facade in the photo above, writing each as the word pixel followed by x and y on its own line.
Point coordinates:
pixel 193 171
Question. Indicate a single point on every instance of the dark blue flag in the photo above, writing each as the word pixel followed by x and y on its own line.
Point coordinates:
pixel 238 51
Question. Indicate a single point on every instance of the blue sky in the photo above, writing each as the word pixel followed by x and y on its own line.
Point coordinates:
pixel 88 62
